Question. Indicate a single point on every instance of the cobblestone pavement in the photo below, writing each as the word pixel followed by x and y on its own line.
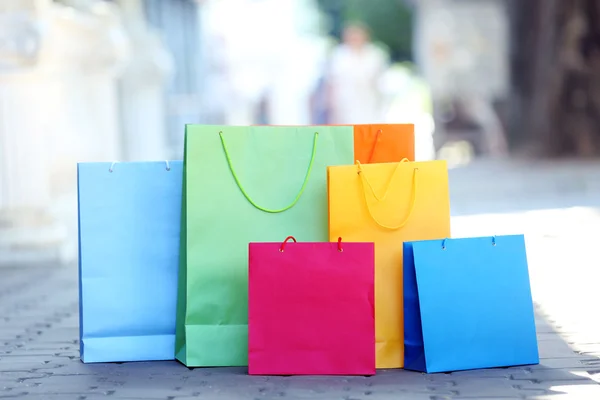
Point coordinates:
pixel 557 207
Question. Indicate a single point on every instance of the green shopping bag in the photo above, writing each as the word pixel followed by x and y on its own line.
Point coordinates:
pixel 242 185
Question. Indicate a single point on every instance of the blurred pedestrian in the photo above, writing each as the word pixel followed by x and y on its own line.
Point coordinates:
pixel 356 66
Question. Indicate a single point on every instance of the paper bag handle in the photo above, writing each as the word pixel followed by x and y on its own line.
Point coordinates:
pixel 412 200
pixel 377 135
pixel 273 211
pixel 282 247
pixel 389 185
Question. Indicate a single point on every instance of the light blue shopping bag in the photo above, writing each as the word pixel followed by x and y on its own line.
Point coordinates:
pixel 467 304
pixel 129 218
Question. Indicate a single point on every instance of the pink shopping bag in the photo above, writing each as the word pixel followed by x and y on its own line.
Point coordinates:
pixel 311 308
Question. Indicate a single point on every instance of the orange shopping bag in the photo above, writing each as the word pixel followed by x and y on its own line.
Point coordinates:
pixel 389 204
pixel 383 143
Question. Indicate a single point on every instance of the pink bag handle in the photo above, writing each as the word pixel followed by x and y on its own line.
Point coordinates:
pixel 285 241
pixel 282 247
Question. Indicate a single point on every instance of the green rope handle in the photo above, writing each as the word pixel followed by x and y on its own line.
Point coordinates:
pixel 310 165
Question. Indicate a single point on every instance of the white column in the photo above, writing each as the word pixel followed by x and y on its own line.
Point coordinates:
pixel 28 232
pixel 58 105
pixel 85 51
pixel 142 89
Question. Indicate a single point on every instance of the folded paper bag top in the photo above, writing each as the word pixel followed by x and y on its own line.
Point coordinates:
pixel 311 308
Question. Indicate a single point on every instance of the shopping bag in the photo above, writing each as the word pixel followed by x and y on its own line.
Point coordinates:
pixel 128 259
pixel 242 185
pixel 310 308
pixel 384 143
pixel 468 304
pixel 388 204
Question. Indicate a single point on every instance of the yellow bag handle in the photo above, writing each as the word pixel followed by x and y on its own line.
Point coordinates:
pixel 413 194
pixel 389 184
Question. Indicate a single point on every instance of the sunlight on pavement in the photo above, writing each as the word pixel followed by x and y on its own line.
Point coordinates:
pixel 564 264
pixel 573 391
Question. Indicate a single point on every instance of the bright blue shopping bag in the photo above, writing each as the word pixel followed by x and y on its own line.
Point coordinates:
pixel 129 218
pixel 467 304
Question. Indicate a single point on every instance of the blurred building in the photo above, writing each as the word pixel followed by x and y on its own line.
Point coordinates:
pixel 85 80
pixel 462 50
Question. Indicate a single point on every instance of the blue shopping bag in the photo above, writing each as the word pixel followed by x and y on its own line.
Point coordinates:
pixel 467 304
pixel 129 218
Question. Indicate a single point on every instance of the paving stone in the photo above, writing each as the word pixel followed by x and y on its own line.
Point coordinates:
pixel 550 375
pixel 566 363
pixel 555 348
pixel 485 398
pixel 566 390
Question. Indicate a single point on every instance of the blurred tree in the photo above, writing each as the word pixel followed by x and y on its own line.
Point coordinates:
pixel 390 22
pixel 555 105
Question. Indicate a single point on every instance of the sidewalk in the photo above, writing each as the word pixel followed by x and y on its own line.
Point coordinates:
pixel 557 207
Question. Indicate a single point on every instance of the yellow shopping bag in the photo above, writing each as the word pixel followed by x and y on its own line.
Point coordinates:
pixel 389 204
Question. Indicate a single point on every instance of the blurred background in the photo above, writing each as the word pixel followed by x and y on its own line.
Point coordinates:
pixel 90 80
